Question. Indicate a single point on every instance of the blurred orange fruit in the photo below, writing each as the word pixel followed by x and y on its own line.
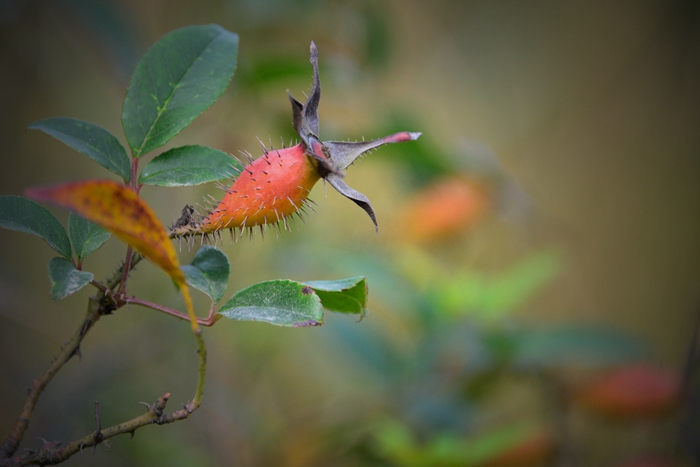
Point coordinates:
pixel 444 208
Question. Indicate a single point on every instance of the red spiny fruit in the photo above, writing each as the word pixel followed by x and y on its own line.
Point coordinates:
pixel 270 189
pixel 277 185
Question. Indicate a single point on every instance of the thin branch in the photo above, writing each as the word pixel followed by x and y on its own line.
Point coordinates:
pixel 133 184
pixel 95 310
pixel 51 453
pixel 201 373
pixel 126 269
pixel 100 286
pixel 102 304
pixel 117 277
pixel 208 321
pixel 98 433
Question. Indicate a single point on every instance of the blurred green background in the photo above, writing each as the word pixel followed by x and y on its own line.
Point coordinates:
pixel 542 233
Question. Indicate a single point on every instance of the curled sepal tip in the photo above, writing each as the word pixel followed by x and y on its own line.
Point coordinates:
pixel 333 157
pixel 354 195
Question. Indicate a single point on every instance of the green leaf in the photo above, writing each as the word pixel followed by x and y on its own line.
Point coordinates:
pixel 395 442
pixel 343 296
pixel 189 165
pixel 488 446
pixel 279 302
pixel 65 279
pixel 492 297
pixel 522 281
pixel 90 139
pixel 208 272
pixel 85 236
pixel 23 215
pixel 183 74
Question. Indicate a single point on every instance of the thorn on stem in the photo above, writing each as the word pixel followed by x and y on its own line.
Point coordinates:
pixel 86 326
pixel 77 353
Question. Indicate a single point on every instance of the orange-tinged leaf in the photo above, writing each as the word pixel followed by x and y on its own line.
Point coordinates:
pixel 124 213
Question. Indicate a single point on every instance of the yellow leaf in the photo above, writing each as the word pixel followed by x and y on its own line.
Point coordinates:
pixel 120 210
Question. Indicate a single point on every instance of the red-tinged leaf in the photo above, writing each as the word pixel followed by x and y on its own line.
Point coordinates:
pixel 123 212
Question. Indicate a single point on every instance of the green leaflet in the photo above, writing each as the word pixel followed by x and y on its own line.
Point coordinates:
pixel 290 303
pixel 90 139
pixel 343 296
pixel 208 272
pixel 183 74
pixel 85 236
pixel 189 165
pixel 278 302
pixel 23 215
pixel 65 278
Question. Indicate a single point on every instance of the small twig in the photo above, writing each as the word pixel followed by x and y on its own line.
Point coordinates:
pixel 126 269
pixel 98 434
pixel 97 306
pixel 98 285
pixel 51 453
pixel 202 371
pixel 11 443
pixel 118 275
pixel 133 184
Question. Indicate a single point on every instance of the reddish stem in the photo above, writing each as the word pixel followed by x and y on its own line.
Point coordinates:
pixel 133 183
pixel 129 251
pixel 127 268
pixel 208 321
